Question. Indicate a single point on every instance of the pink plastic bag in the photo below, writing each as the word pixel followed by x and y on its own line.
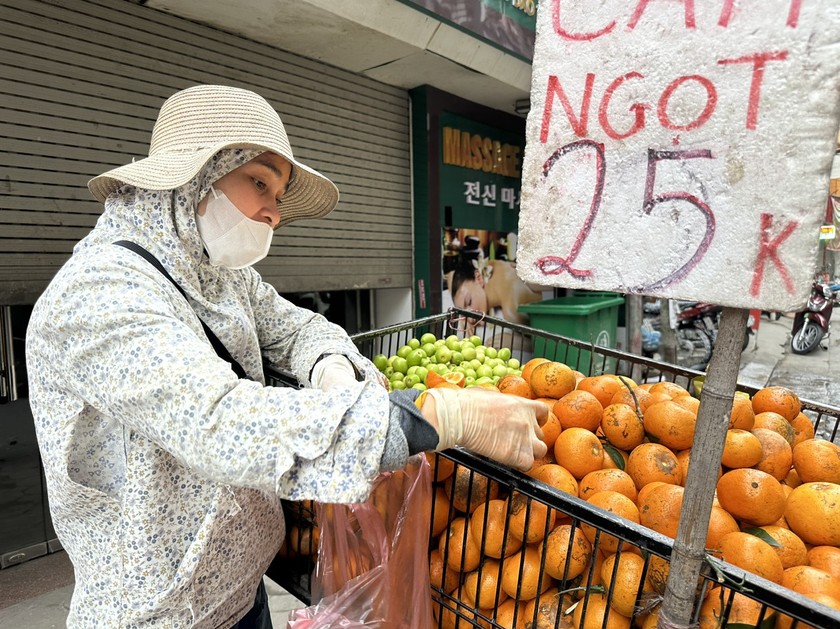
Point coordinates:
pixel 373 561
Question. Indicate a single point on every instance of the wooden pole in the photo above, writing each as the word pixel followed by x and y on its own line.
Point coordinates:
pixel 709 437
pixel 633 325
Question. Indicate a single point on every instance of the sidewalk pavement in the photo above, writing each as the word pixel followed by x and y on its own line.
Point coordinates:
pixel 36 594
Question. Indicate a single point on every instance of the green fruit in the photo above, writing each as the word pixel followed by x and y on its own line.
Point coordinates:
pixel 388 371
pixel 429 348
pixel 397 376
pixel 428 337
pixel 443 354
pixel 475 363
pixel 397 385
pixel 484 380
pixel 453 342
pixel 468 352
pixel 499 371
pixel 404 351
pixel 400 364
pixel 413 343
pixel 419 386
pixel 491 352
pixel 475 340
pixel 380 361
pixel 484 371
pixel 422 372
pixel 415 357
pixel 411 380
pixel 470 373
pixel 457 358
pixel 513 363
pixel 504 353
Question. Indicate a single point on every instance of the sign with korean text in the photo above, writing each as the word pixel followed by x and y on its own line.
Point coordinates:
pixel 480 174
pixel 681 149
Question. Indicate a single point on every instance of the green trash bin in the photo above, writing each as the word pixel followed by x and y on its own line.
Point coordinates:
pixel 591 319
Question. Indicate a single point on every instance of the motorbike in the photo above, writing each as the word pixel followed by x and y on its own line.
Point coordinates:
pixel 812 325
pixel 696 332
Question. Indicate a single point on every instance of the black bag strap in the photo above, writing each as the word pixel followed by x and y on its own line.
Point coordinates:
pixel 218 346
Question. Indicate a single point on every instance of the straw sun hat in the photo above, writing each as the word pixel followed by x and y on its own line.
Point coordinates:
pixel 196 123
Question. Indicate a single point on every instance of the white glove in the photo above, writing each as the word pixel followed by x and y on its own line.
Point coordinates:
pixel 502 427
pixel 332 372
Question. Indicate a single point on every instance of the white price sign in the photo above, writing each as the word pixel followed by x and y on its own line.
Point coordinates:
pixel 679 148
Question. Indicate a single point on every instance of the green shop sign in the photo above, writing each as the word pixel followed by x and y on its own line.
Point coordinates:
pixel 480 174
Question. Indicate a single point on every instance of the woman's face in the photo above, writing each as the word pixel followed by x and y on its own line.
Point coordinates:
pixel 255 187
pixel 471 296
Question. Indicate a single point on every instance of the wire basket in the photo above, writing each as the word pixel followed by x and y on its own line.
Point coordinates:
pixel 479 481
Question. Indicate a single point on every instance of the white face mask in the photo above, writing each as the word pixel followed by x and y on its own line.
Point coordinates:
pixel 232 239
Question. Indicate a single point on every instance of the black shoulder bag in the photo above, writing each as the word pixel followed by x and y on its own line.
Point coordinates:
pixel 220 349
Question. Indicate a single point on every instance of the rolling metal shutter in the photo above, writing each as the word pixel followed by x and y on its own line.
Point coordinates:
pixel 82 83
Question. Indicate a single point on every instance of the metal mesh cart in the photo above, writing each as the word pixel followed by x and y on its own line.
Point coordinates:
pixel 486 481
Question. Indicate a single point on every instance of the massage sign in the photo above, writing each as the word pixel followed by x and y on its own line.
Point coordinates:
pixel 679 148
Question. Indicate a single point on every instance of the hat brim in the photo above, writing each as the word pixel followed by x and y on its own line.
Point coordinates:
pixel 310 194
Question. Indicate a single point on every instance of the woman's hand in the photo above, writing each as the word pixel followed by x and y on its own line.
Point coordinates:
pixel 502 427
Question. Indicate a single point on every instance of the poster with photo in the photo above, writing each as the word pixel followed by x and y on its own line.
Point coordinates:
pixel 479 274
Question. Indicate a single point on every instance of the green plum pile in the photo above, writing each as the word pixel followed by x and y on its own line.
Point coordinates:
pixel 478 364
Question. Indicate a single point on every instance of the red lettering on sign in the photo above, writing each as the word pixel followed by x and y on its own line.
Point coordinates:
pixel 769 249
pixel 759 60
pixel 728 6
pixel 562 32
pixel 708 110
pixel 637 108
pixel 793 14
pixel 556 265
pixel 640 8
pixel 579 125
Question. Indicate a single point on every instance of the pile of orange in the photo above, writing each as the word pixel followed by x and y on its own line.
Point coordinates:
pixel 624 447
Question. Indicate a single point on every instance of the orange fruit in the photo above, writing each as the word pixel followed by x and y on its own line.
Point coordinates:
pixel 579 451
pixel 671 389
pixel 627 580
pixel 751 496
pixel 776 453
pixel 551 429
pixel 742 415
pixel 522 578
pixel 506 613
pixel 557 476
pixel 528 367
pixel 742 449
pixel 434 379
pixel 469 489
pixel 646 489
pixel 817 460
pixel 603 388
pixel 599 615
pixel 515 385
pixel 660 509
pixel 635 398
pixel 622 426
pixel 791 550
pixel 825 558
pixel 548 607
pixel 742 610
pixel 658 571
pixel 607 479
pixel 567 554
pixel 652 461
pixel 809 581
pixel 780 400
pixel 670 424
pixel 688 402
pixel 440 574
pixel 552 379
pixel 440 511
pixel 529 520
pixel 786 622
pixel 721 522
pixel 458 548
pixel 611 451
pixel 442 467
pixel 578 409
pixel 811 513
pixel 615 503
pixel 487 527
pixel 752 554
pixel 774 421
pixel 481 584
pixel 803 428
pixel 792 479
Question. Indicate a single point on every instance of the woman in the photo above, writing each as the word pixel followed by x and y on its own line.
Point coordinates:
pixel 166 457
